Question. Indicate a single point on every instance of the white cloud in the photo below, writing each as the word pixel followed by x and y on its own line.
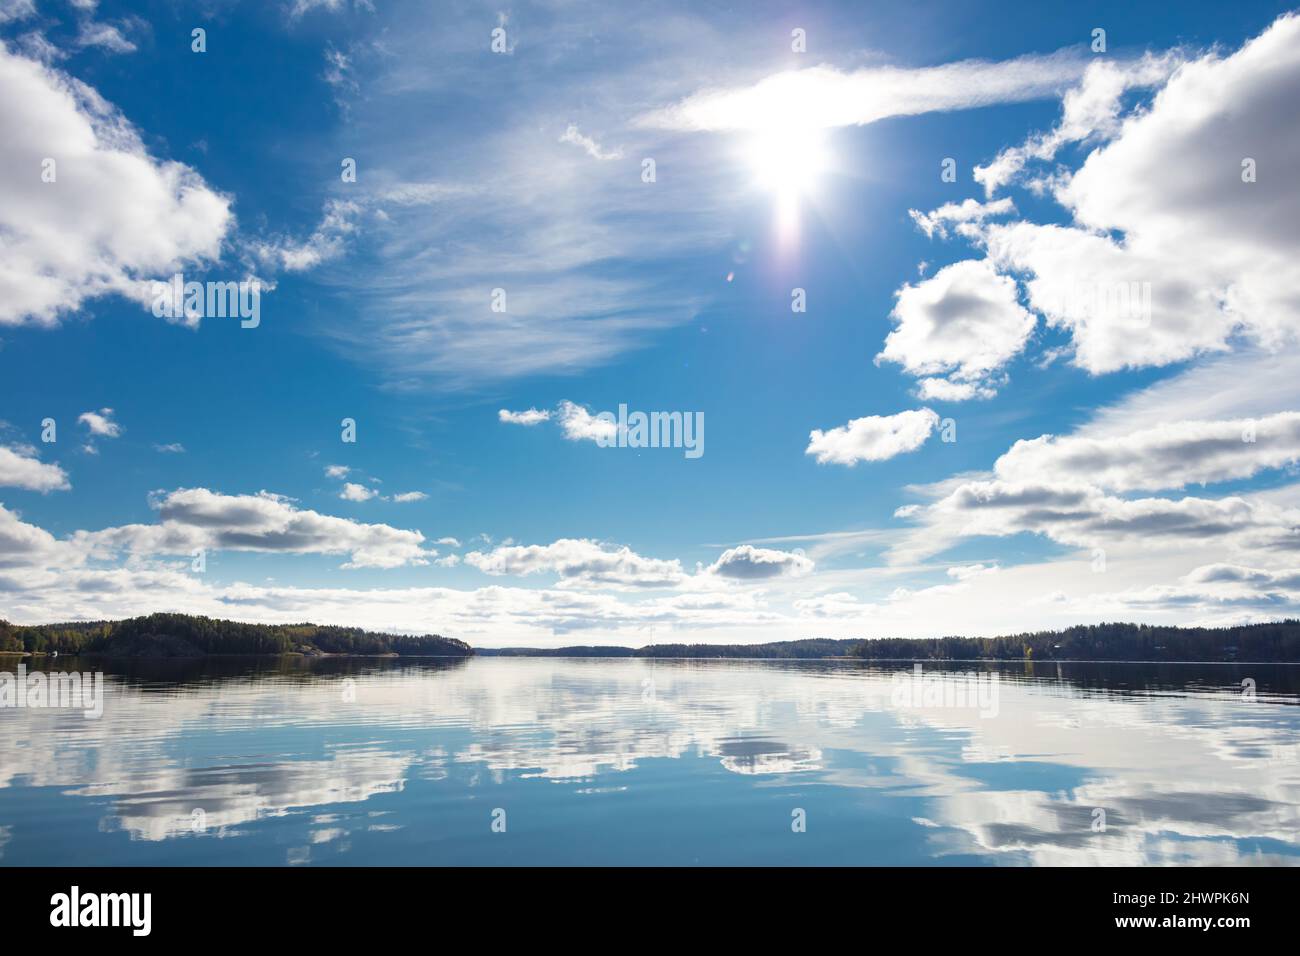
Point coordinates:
pixel 35 46
pixel 336 471
pixel 338 67
pixel 964 323
pixel 963 215
pixel 593 149
pixel 1090 110
pixel 406 496
pixel 1239 385
pixel 20 469
pixel 580 562
pixel 873 438
pixel 965 572
pixel 171 448
pixel 192 518
pixel 120 220
pixel 24 545
pixel 823 96
pixel 13 10
pixel 748 563
pixel 946 390
pixel 1080 515
pixel 531 416
pixel 355 492
pixel 105 36
pixel 1171 254
pixel 837 604
pixel 580 425
pixel 101 423
pixel 422 193
pixel 327 241
pixel 1170 455
pixel 303 7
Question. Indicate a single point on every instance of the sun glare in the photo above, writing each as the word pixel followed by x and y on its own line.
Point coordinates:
pixel 788 162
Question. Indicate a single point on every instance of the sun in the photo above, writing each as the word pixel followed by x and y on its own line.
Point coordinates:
pixel 789 162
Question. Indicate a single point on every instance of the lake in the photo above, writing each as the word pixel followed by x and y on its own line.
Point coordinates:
pixel 631 761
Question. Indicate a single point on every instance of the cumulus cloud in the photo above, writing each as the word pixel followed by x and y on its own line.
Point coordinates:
pixel 958 328
pixel 101 423
pixel 1170 455
pixel 1233 581
pixel 580 562
pixel 1083 516
pixel 1173 252
pixel 24 545
pixel 748 563
pixel 355 492
pixel 191 518
pixel 19 468
pixel 123 219
pixel 873 438
pixel 532 416
pixel 1179 241
pixel 580 425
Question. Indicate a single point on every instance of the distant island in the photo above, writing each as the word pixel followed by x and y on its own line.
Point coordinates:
pixel 187 635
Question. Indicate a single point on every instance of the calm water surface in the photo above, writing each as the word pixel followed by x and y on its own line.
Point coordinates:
pixel 663 762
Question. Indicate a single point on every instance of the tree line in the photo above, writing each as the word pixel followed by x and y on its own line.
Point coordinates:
pixel 187 635
pixel 1277 641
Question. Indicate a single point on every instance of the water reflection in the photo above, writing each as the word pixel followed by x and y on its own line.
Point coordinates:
pixel 669 761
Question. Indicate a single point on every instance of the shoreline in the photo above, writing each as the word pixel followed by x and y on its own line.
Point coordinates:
pixel 25 655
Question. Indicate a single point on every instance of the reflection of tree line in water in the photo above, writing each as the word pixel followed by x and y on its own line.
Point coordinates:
pixel 163 673
pixel 1278 682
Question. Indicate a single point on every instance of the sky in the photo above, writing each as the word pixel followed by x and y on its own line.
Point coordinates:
pixel 982 316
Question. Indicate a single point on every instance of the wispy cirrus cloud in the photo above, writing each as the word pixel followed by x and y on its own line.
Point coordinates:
pixel 824 96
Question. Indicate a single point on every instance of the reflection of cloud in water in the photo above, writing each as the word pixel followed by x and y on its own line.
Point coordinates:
pixel 1181 776
pixel 155 805
pixel 759 755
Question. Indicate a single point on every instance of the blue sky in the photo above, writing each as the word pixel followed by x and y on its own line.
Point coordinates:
pixel 945 320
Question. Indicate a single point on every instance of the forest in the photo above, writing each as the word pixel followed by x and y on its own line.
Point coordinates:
pixel 811 648
pixel 187 635
pixel 1279 641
